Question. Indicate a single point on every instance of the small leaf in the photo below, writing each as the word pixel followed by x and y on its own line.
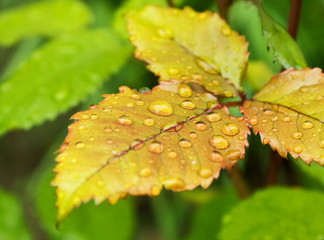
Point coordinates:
pixel 276 213
pixel 12 224
pixel 58 76
pixel 135 143
pixel 288 113
pixel 258 74
pixel 188 46
pixel 48 18
pixel 285 49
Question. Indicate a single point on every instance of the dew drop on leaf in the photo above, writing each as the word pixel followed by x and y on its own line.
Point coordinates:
pixel 307 125
pixel 233 154
pixel 266 141
pixel 79 145
pixel 230 129
pixel 123 120
pixel 161 108
pixel 145 172
pixel 155 147
pixel 108 130
pixel 144 90
pixel 253 121
pixel 94 117
pixel 187 104
pixel 173 183
pixel 193 135
pixel 205 172
pixel 213 117
pixel 184 90
pixel 85 116
pixel 225 30
pixel 201 126
pixel 149 122
pixel 173 71
pixel 215 157
pixel 298 149
pixel 268 112
pixel 297 135
pixel 184 143
pixel 218 142
pixel 172 154
pixel 165 33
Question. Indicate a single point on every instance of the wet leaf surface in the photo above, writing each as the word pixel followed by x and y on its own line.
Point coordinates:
pixel 136 143
pixel 189 46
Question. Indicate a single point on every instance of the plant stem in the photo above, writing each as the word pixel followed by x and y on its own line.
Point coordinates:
pixel 223 6
pixel 170 3
pixel 239 183
pixel 275 160
pixel 295 8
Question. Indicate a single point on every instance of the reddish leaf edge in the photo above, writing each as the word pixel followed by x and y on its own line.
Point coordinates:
pixel 172 128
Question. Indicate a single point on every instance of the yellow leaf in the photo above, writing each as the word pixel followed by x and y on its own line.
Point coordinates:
pixel 188 46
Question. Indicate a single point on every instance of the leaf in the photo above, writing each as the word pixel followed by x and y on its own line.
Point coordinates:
pixel 276 213
pixel 48 18
pixel 135 143
pixel 258 74
pixel 188 46
pixel 288 113
pixel 57 76
pixel 284 47
pixel 12 224
pixel 116 221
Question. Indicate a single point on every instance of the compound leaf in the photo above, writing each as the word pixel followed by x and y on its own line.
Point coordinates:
pixel 58 76
pixel 136 143
pixel 188 46
pixel 288 113
pixel 284 47
pixel 276 213
pixel 48 18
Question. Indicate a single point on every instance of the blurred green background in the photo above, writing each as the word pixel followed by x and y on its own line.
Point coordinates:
pixel 75 51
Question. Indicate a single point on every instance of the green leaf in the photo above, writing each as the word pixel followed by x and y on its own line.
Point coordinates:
pixel 285 49
pixel 258 74
pixel 48 18
pixel 315 171
pixel 185 45
pixel 12 226
pixel 58 76
pixel 276 213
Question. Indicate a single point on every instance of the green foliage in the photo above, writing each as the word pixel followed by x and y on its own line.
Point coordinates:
pixel 57 76
pixel 285 49
pixel 276 213
pixel 12 225
pixel 48 18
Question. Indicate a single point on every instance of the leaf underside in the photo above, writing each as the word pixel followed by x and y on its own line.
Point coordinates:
pixel 134 143
pixel 288 113
pixel 188 46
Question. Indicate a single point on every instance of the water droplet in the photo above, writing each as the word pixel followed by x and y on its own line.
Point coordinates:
pixel 149 122
pixel 225 30
pixel 184 143
pixel 173 183
pixel 109 141
pixel 210 68
pixel 233 154
pixel 228 93
pixel 123 120
pixel 266 141
pixel 230 129
pixel 155 147
pixel 79 145
pixel 94 117
pixel 297 135
pixel 130 105
pixel 275 129
pixel 144 90
pixel 184 90
pixel 268 112
pixel 218 142
pixel 165 33
pixel 321 143
pixel 173 71
pixel 108 130
pixel 155 190
pixel 139 103
pixel 100 183
pixel 74 161
pixel 161 108
pixel 187 104
pixel 213 117
pixel 303 89
pixel 106 109
pixel 81 127
pixel 197 77
pixel 145 172
pixel 307 125
pixel 205 172
pixel 172 154
pixel 85 116
pixel 193 135
pixel 275 118
pixel 136 97
pixel 264 121
pixel 298 149
pixel 201 126
pixel 286 119
pixel 253 121
pixel 169 125
pixel 215 157
pixel 91 139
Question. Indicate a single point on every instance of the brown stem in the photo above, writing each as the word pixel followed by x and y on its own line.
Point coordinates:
pixel 295 8
pixel 239 183
pixel 223 6
pixel 274 165
pixel 170 3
